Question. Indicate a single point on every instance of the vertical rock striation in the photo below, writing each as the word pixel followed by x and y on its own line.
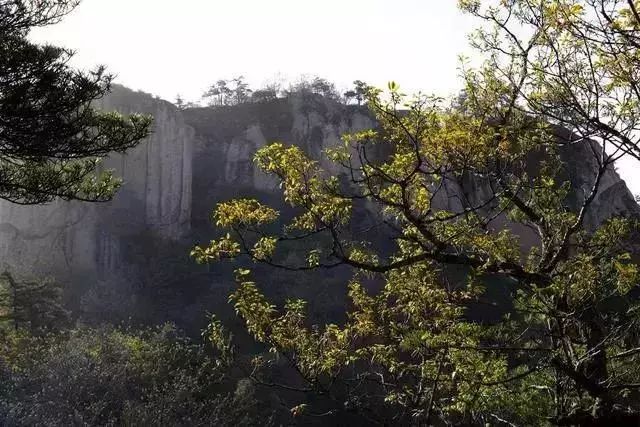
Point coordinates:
pixel 73 241
pixel 129 257
pixel 228 137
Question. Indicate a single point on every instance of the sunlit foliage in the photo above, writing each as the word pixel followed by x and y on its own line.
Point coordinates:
pixel 410 352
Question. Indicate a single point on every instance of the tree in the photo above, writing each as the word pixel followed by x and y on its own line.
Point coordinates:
pixel 36 306
pixel 241 91
pixel 570 62
pixel 274 85
pixel 180 103
pixel 324 88
pixel 117 376
pixel 358 92
pixel 314 86
pixel 219 93
pixel 565 353
pixel 228 92
pixel 264 95
pixel 348 96
pixel 50 136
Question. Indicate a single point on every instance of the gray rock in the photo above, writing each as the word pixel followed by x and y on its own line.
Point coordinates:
pixel 129 256
pixel 73 240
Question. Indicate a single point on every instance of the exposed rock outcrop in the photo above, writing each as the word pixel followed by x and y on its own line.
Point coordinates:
pixel 82 242
pixel 228 137
pixel 129 257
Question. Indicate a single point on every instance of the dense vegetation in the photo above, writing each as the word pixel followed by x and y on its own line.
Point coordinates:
pixel 566 351
pixel 50 137
pixel 236 91
pixel 409 350
pixel 114 376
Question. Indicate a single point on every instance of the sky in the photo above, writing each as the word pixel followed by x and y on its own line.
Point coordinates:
pixel 169 47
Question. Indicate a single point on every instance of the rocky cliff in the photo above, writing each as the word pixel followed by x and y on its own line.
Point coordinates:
pixel 129 257
pixel 228 137
pixel 83 243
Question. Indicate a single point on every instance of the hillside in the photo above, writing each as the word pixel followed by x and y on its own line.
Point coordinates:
pixel 129 258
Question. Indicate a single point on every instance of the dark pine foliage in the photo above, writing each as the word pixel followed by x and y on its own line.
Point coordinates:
pixel 50 136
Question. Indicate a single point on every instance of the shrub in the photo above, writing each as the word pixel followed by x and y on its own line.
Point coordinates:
pixel 114 376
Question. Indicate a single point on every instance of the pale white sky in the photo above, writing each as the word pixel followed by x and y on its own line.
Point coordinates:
pixel 167 47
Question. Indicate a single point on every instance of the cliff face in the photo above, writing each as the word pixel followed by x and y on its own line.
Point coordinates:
pixel 158 172
pixel 129 257
pixel 80 242
pixel 228 137
pixel 579 166
pixel 613 197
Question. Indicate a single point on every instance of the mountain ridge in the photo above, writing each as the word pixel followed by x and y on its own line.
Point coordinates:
pixel 129 257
